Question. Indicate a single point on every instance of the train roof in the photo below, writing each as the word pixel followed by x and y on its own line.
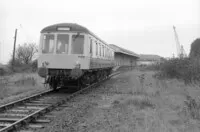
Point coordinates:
pixel 123 51
pixel 71 26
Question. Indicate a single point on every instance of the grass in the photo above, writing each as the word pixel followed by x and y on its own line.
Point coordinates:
pixel 19 85
pixel 141 103
pixel 135 101
pixel 166 89
pixel 184 70
pixel 193 107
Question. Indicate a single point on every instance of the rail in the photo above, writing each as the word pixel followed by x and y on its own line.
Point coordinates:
pixel 40 111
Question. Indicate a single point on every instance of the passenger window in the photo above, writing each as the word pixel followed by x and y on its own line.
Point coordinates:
pixel 99 49
pixel 112 54
pixel 62 43
pixel 96 49
pixel 103 50
pixel 77 44
pixel 106 52
pixel 48 43
pixel 90 45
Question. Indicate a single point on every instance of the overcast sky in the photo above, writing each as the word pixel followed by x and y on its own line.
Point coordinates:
pixel 142 26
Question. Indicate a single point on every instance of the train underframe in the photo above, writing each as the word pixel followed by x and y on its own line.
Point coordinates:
pixel 75 78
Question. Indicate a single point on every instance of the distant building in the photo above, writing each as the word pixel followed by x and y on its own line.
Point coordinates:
pixel 124 57
pixel 149 59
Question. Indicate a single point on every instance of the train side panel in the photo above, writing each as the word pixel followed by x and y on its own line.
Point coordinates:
pixel 63 61
pixel 99 58
pixel 96 63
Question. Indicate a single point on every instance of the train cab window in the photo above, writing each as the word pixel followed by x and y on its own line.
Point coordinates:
pixel 48 43
pixel 77 44
pixel 62 43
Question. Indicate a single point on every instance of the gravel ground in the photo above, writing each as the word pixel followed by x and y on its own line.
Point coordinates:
pixel 127 103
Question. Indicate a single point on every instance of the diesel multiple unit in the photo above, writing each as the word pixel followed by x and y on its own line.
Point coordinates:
pixel 69 52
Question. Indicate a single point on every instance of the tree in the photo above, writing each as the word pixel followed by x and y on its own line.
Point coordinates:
pixel 26 52
pixel 195 49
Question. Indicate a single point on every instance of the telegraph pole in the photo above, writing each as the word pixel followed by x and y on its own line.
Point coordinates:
pixel 15 38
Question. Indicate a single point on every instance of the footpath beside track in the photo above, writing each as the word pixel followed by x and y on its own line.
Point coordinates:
pixel 19 113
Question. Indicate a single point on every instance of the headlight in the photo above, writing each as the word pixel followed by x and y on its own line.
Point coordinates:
pixel 42 72
pixel 77 65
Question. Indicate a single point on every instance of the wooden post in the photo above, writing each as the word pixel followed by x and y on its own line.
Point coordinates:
pixel 15 39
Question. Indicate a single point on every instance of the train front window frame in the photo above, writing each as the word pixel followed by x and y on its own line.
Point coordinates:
pixel 48 43
pixel 77 43
pixel 62 43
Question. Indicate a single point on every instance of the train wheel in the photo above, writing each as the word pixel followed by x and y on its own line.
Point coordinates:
pixel 46 82
pixel 53 83
pixel 84 81
pixel 93 78
pixel 98 76
pixel 104 74
pixel 79 84
pixel 53 86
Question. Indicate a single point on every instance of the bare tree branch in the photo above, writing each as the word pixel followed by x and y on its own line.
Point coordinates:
pixel 26 52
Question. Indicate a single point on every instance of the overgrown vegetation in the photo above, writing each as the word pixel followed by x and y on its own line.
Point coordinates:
pixel 192 107
pixel 187 69
pixel 195 49
pixel 24 60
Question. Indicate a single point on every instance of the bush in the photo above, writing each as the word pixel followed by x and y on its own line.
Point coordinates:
pixel 184 68
pixel 34 65
pixel 21 67
pixel 195 49
pixel 2 71
pixel 5 71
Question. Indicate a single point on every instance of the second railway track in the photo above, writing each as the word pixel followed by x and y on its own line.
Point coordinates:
pixel 19 113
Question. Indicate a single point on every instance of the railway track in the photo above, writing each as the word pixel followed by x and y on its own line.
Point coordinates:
pixel 21 113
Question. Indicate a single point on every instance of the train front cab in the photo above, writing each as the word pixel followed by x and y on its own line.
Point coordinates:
pixel 60 53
